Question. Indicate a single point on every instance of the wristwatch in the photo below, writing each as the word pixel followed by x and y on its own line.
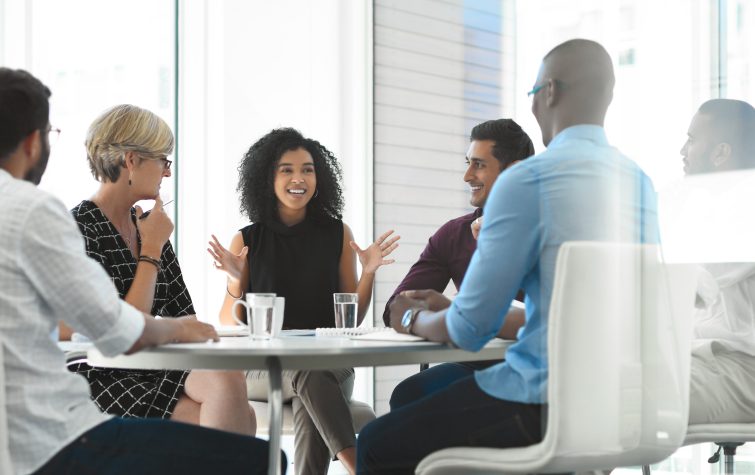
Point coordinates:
pixel 410 316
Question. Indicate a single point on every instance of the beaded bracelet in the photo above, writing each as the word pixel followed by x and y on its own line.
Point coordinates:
pixel 151 260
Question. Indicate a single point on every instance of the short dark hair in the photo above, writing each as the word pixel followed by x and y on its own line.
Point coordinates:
pixel 733 122
pixel 511 142
pixel 257 170
pixel 24 108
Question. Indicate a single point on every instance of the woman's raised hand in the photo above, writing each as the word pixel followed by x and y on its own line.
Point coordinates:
pixel 225 260
pixel 155 229
pixel 374 256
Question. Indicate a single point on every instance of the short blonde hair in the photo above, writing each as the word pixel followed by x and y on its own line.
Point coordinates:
pixel 121 129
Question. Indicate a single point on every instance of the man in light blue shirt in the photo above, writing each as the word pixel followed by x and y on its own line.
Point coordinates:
pixel 580 188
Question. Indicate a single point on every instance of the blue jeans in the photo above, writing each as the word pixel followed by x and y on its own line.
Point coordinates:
pixel 456 415
pixel 156 446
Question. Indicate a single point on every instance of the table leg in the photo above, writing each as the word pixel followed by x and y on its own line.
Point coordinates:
pixel 275 404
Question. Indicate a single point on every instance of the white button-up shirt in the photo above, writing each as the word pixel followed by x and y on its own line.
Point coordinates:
pixel 728 292
pixel 45 277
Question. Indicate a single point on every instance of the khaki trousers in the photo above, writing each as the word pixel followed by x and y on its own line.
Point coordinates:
pixel 322 419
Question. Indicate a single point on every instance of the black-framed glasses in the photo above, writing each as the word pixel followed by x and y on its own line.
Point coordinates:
pixel 166 163
pixel 158 158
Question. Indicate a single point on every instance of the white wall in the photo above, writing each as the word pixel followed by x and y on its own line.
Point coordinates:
pixel 439 70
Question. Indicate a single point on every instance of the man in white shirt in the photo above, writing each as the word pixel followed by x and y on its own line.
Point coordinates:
pixel 46 277
pixel 721 138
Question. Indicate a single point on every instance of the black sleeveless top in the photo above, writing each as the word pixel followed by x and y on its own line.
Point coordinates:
pixel 300 263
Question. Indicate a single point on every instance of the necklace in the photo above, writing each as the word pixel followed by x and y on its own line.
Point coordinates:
pixel 127 238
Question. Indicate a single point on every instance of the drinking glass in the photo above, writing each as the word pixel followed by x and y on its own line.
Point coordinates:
pixel 260 313
pixel 345 307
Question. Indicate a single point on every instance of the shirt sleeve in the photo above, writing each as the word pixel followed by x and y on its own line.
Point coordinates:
pixel 429 272
pixel 76 288
pixel 507 251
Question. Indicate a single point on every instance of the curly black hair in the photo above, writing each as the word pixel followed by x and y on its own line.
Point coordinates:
pixel 257 172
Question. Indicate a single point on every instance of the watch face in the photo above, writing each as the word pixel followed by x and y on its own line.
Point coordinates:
pixel 406 320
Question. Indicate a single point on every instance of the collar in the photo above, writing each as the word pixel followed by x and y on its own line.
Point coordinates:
pixel 593 133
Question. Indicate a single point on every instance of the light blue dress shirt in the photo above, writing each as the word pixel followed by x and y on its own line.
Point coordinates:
pixel 579 189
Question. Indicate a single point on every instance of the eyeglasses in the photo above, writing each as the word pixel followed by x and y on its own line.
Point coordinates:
pixel 53 133
pixel 158 158
pixel 535 90
pixel 166 163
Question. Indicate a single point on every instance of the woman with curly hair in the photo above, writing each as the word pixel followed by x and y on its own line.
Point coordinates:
pixel 299 248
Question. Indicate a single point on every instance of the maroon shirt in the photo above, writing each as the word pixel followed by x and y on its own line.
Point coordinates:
pixel 446 257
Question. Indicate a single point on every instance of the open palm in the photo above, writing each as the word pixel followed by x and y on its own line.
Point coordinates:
pixel 225 260
pixel 375 255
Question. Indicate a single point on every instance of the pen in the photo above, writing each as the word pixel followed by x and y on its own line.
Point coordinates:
pixel 147 213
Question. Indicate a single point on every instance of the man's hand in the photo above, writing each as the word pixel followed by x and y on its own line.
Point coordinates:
pixel 475 226
pixel 399 306
pixel 431 299
pixel 192 330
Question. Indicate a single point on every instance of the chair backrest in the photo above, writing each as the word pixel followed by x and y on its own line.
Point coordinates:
pixel 619 332
pixel 5 465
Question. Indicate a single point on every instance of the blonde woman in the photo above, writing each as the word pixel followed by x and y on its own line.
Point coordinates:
pixel 128 149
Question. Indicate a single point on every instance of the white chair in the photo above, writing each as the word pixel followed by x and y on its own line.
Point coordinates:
pixel 5 463
pixel 361 414
pixel 618 356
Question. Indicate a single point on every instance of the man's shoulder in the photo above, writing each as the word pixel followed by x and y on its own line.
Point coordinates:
pixel 459 222
pixel 21 197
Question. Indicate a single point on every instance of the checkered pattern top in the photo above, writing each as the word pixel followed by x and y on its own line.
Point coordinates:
pixel 105 245
pixel 46 277
pixel 132 393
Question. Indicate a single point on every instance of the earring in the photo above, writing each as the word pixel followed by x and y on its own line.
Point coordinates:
pixel 129 179
pixel 317 191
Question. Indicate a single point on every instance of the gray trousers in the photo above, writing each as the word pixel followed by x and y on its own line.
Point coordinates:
pixel 322 419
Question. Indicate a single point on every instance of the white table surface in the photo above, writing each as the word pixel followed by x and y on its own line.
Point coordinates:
pixel 292 352
pixel 300 352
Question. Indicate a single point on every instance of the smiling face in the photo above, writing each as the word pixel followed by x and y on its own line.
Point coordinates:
pixel 294 180
pixel 482 170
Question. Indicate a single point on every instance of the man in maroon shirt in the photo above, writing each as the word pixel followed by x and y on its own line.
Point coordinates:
pixel 495 146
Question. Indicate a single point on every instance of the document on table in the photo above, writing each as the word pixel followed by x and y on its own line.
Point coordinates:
pixel 367 333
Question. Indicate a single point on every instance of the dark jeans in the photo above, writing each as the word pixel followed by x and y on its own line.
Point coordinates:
pixel 434 379
pixel 456 415
pixel 156 446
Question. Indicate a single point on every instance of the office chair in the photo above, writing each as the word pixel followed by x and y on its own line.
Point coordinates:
pixel 618 356
pixel 727 436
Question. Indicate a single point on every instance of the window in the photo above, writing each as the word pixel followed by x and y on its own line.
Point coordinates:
pixel 92 54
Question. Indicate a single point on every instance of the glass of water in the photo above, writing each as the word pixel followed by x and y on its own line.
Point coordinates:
pixel 260 314
pixel 345 306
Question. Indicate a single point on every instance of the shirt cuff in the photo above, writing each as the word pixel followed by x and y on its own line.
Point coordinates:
pixel 463 334
pixel 126 330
